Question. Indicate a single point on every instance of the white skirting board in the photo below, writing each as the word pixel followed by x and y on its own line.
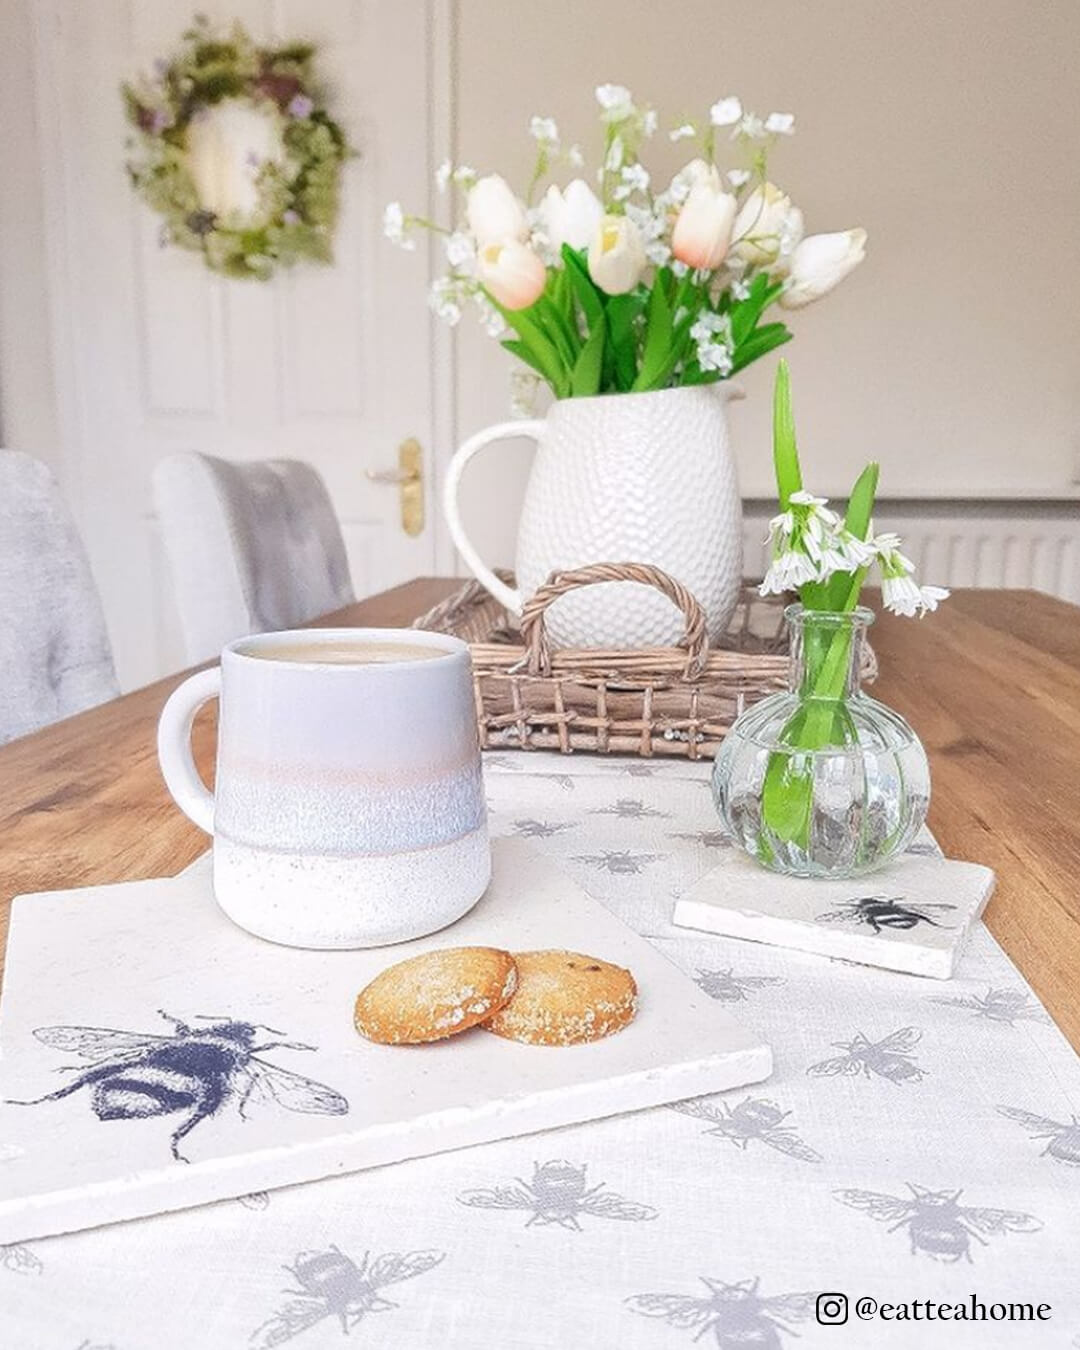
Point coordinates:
pixel 90 974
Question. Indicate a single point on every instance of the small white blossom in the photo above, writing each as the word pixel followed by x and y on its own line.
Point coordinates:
pixel 614 155
pixel 751 127
pixel 903 595
pixel 444 297
pixel 615 102
pixel 460 250
pixel 464 177
pixel 780 124
pixel 574 157
pixel 396 226
pixel 726 112
pixel 636 176
pixel 544 130
pixel 649 122
pixel 489 315
pixel 740 289
pixel 443 174
pixel 683 133
pixel 523 389
pixel 679 269
pixel 738 177
pixel 711 332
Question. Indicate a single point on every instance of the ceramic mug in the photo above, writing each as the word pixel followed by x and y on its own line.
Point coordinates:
pixel 349 806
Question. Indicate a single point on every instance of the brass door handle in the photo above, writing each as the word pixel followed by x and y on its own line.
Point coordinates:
pixel 408 477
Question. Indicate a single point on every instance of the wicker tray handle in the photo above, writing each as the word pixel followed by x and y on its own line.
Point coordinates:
pixel 534 635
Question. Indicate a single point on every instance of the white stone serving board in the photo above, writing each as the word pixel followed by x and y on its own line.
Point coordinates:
pixel 112 956
pixel 911 916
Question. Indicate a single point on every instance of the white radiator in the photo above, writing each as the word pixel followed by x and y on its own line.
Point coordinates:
pixel 1026 545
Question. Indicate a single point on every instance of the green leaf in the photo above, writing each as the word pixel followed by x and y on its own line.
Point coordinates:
pixel 621 349
pixel 760 342
pixel 746 313
pixel 585 378
pixel 543 355
pixel 585 291
pixel 658 356
pixel 785 451
pixel 841 591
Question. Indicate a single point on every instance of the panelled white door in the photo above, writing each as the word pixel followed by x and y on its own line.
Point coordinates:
pixel 153 353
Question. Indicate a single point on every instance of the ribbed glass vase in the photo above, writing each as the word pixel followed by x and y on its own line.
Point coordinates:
pixel 822 781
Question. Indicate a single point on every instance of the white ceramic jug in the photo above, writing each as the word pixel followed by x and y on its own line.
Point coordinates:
pixel 619 478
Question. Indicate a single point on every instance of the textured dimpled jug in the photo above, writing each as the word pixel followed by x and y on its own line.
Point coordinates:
pixel 822 781
pixel 622 478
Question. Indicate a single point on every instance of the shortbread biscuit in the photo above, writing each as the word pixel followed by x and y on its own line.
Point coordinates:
pixel 565 998
pixel 435 995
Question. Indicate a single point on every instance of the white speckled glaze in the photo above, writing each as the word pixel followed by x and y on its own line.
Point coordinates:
pixel 623 478
pixel 349 809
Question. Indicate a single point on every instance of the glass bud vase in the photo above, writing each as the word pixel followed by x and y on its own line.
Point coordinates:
pixel 822 781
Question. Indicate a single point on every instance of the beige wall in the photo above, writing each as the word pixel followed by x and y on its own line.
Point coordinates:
pixel 947 127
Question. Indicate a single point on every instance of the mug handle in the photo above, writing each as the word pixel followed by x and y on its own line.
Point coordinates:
pixel 506 595
pixel 178 769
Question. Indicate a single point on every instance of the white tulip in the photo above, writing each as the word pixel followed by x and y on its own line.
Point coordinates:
pixel 570 216
pixel 616 255
pixel 821 262
pixel 512 273
pixel 702 230
pixel 767 228
pixel 227 148
pixel 494 213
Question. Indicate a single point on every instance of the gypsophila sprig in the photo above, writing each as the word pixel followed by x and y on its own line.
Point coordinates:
pixel 615 283
pixel 234 147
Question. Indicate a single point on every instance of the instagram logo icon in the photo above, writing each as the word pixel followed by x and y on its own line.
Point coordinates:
pixel 831 1309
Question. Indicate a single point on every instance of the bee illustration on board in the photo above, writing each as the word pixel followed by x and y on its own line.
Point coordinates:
pixel 630 808
pixel 331 1284
pixel 257 1200
pixel 997 1005
pixel 197 1071
pixel 754 1118
pixel 727 987
pixel 889 1058
pixel 736 1314
pixel 1064 1145
pixel 559 1194
pixel 619 863
pixel 20 1260
pixel 706 838
pixel 541 829
pixel 936 1222
pixel 878 913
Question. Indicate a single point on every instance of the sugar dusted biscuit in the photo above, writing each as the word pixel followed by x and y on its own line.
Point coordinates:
pixel 435 995
pixel 565 998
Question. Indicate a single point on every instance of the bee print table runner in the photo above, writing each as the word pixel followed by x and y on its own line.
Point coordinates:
pixel 917 1140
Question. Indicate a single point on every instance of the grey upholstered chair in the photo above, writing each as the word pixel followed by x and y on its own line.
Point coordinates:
pixel 252 547
pixel 54 652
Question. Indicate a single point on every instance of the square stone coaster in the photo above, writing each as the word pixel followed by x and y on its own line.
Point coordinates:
pixel 129 1011
pixel 910 916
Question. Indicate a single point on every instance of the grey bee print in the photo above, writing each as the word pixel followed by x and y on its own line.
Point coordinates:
pixel 1063 1139
pixel 558 1193
pixel 540 829
pixel 727 987
pixel 630 808
pixel 1008 1006
pixel 936 1223
pixel 330 1284
pixel 255 1200
pixel 20 1260
pixel 891 1058
pixel 706 838
pixel 754 1119
pixel 735 1314
pixel 619 863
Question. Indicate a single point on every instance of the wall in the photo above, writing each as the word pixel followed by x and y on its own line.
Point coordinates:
pixel 947 130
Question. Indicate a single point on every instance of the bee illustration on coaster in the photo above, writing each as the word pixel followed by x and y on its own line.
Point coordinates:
pixel 736 1314
pixel 557 1194
pixel 541 829
pixel 197 1071
pixel 331 1284
pixel 620 863
pixel 889 1058
pixel 20 1260
pixel 630 808
pixel 257 1200
pixel 936 1222
pixel 727 987
pixel 754 1118
pixel 878 912
pixel 997 1005
pixel 1064 1145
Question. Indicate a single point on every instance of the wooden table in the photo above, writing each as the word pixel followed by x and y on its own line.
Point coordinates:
pixel 991 682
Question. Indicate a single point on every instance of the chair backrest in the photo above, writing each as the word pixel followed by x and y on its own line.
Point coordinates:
pixel 252 547
pixel 55 658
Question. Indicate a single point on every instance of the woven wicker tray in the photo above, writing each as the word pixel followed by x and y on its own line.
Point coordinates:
pixel 660 701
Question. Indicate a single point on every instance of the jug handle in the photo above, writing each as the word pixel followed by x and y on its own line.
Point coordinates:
pixel 532 428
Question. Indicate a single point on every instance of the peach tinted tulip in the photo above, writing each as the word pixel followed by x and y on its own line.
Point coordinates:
pixel 512 273
pixel 702 230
